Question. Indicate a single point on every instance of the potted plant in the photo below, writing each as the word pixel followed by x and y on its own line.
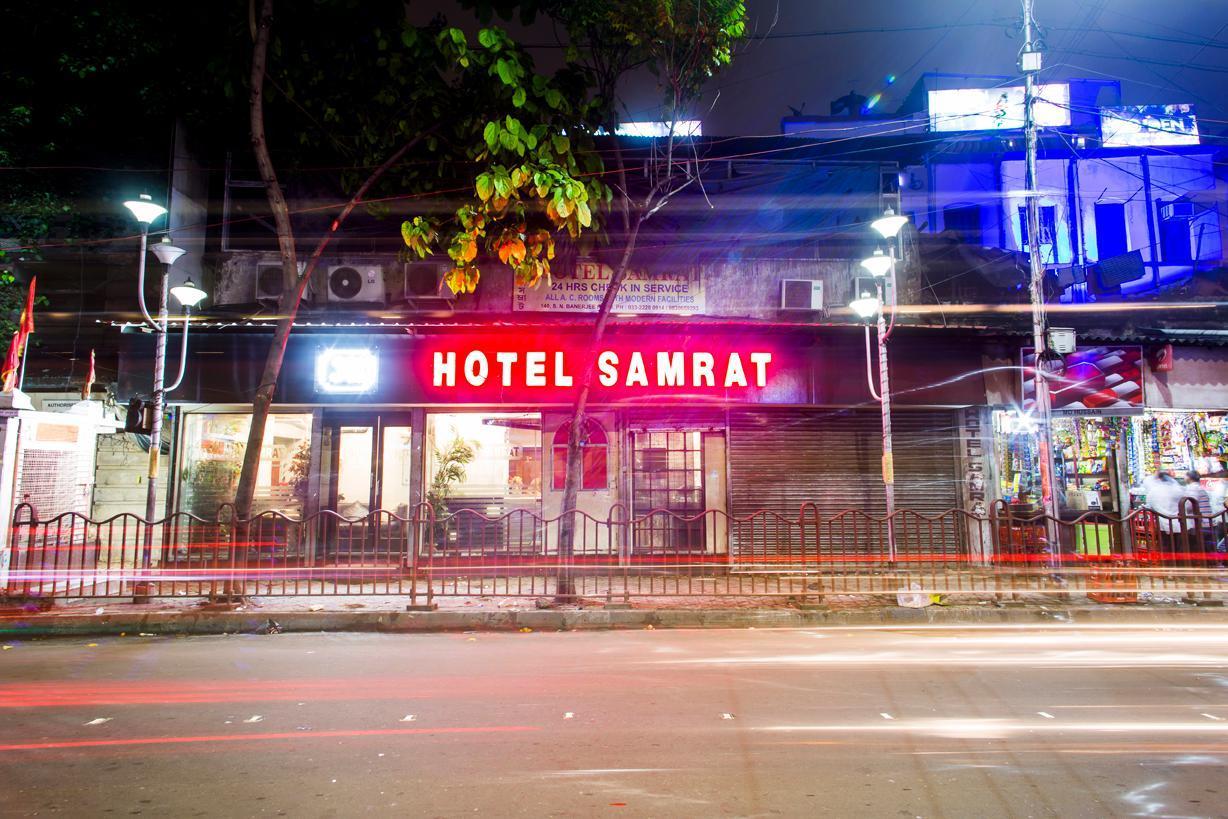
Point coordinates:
pixel 449 470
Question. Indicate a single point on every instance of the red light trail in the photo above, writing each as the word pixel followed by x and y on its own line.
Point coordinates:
pixel 206 738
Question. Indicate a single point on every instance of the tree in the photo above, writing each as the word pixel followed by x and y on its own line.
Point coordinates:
pixel 509 136
pixel 682 44
pixel 89 101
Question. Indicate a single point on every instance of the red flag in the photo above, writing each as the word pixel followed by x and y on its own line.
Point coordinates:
pixel 26 326
pixel 12 362
pixel 21 338
pixel 89 379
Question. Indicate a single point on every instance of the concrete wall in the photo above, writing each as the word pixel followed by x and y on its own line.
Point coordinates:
pixel 965 183
pixel 1198 380
pixel 119 481
pixel 188 210
pixel 751 289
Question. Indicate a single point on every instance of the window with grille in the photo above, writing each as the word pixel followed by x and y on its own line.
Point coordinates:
pixel 1048 225
pixel 1175 235
pixel 667 484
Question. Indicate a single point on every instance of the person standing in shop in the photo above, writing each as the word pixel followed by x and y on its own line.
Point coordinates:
pixel 1207 524
pixel 1163 495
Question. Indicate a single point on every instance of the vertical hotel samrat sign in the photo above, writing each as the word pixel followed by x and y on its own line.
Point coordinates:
pixel 581 291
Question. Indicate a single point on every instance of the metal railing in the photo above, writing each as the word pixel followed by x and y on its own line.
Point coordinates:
pixel 619 557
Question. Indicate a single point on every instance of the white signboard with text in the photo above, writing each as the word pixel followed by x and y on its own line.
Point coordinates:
pixel 641 292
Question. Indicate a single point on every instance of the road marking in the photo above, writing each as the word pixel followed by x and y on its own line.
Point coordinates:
pixel 726 716
pixel 569 715
pixel 1045 714
pixel 1212 716
pixel 99 721
pixel 254 718
pixel 408 718
pixel 885 715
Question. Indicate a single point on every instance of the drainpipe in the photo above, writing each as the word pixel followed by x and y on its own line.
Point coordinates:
pixel 1152 242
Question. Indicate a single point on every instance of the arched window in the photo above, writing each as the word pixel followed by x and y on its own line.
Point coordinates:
pixel 594 456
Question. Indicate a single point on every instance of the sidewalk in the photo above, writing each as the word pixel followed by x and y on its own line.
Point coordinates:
pixel 387 614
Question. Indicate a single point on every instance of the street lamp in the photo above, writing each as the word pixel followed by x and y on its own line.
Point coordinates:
pixel 889 225
pixel 146 211
pixel 865 302
pixel 878 265
pixel 873 297
pixel 188 295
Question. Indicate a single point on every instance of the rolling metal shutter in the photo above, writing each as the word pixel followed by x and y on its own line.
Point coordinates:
pixel 779 460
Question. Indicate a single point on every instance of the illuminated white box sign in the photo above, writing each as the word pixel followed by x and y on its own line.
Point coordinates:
pixel 614 369
pixel 996 109
pixel 341 370
pixel 1141 125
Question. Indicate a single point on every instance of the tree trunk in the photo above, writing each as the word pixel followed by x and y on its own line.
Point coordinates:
pixel 289 265
pixel 565 591
pixel 296 284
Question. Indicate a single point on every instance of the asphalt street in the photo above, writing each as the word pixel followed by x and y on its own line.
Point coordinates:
pixel 931 722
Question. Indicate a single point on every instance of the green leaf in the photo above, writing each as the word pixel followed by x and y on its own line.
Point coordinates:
pixel 554 99
pixel 504 70
pixel 561 143
pixel 484 186
pixel 518 98
pixel 491 135
pixel 487 38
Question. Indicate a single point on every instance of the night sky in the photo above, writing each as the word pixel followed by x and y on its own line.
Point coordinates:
pixel 1086 38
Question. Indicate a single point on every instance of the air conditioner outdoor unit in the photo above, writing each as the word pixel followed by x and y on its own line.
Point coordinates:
pixel 424 283
pixel 1177 210
pixel 356 283
pixel 801 294
pixel 269 283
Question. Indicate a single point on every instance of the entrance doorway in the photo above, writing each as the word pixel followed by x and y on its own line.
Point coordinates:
pixel 678 491
pixel 370 467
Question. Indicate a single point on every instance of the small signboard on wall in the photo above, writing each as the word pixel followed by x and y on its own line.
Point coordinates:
pixel 581 291
pixel 1104 380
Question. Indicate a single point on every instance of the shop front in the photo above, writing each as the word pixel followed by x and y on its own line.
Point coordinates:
pixel 684 429
pixel 1108 436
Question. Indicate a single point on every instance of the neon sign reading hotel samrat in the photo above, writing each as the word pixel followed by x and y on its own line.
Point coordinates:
pixel 615 369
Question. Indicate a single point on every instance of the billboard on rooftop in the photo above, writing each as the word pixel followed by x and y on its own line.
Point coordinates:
pixel 996 109
pixel 1142 125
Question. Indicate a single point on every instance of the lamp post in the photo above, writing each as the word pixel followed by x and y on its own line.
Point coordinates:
pixel 873 298
pixel 188 295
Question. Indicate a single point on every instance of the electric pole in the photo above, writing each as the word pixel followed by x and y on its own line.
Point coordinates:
pixel 1030 64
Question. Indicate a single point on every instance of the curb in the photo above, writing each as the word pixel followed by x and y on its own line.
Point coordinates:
pixel 200 623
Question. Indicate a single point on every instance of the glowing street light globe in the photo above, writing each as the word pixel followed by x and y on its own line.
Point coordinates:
pixel 865 306
pixel 145 209
pixel 166 252
pixel 188 294
pixel 877 265
pixel 888 225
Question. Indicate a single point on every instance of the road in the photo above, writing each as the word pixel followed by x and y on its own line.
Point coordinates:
pixel 932 722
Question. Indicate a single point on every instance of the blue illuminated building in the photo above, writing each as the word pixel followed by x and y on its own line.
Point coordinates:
pixel 1131 196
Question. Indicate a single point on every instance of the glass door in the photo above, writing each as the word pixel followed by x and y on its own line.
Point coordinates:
pixel 369 488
